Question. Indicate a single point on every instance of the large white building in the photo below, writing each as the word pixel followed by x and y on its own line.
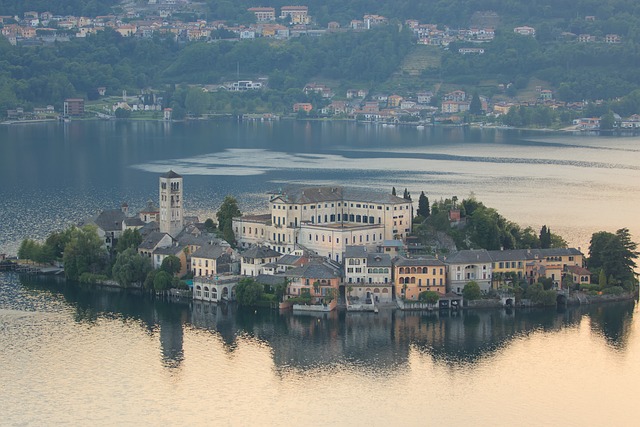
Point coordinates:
pixel 171 212
pixel 326 220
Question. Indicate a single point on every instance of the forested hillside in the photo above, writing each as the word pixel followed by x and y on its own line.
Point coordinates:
pixel 373 59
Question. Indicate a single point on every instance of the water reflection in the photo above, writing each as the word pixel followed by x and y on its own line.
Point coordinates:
pixel 380 342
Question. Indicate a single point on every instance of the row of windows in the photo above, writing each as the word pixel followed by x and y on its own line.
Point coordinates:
pixel 322 238
pixel 508 264
pixel 418 270
pixel 412 281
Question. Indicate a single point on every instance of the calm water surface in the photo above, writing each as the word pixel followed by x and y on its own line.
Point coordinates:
pixel 80 357
pixel 75 356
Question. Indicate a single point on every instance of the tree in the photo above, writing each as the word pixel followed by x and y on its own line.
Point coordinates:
pixel 423 206
pixel 122 113
pixel 406 195
pixel 171 265
pixel 228 210
pixel 129 239
pixel 393 191
pixel 197 101
pixel 471 291
pixel 84 253
pixel 429 297
pixel 475 107
pixel 162 281
pixel 613 253
pixel 130 267
pixel 209 225
pixel 545 237
pixel 249 292
pixel 316 287
pixel 607 122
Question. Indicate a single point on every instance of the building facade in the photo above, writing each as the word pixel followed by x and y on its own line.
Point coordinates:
pixel 326 220
pixel 171 211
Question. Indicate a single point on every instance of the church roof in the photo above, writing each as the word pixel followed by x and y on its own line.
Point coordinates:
pixel 171 174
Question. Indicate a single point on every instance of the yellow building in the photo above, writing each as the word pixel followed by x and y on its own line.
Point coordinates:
pixel 415 275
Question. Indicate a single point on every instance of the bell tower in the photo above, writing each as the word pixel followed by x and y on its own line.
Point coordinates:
pixel 171 212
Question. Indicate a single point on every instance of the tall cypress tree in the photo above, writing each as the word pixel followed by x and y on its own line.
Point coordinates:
pixel 423 206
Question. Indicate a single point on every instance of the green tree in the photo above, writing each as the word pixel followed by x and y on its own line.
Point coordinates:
pixel 613 253
pixel 602 279
pixel 471 291
pixel 393 191
pixel 148 281
pixel 209 225
pixel 429 297
pixel 171 265
pixel 545 237
pixel 423 206
pixel 129 239
pixel 162 281
pixel 249 292
pixel 84 253
pixel 406 195
pixel 228 210
pixel 130 267
pixel 607 122
pixel 475 107
pixel 197 102
pixel 122 113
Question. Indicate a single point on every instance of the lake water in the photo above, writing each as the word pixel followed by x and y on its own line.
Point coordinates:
pixel 70 356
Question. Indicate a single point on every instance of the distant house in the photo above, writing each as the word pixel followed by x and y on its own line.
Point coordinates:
pixel 525 31
pixel 424 97
pixel 546 94
pixel 297 14
pixel 254 258
pixel 578 274
pixel 612 38
pixel 456 95
pixel 416 275
pixel 394 101
pixel 471 50
pixel 469 265
pixel 263 14
pixel 452 107
pixel 302 106
pixel 586 38
pixel 321 89
pixel 73 107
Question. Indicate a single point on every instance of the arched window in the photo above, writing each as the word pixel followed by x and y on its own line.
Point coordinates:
pixel 401 270
pixel 425 270
pixel 413 270
pixel 402 280
pixel 413 280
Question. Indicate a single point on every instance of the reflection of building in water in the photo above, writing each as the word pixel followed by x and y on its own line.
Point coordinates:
pixel 171 342
pixel 383 341
pixel 216 318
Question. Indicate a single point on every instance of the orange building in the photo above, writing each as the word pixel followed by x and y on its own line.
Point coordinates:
pixel 415 275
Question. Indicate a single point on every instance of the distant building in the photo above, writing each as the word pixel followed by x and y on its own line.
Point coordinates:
pixel 525 31
pixel 73 107
pixel 298 14
pixel 263 14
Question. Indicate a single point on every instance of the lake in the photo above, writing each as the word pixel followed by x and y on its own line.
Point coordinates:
pixel 82 356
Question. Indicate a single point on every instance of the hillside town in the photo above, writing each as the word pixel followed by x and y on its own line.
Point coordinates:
pixel 326 245
pixel 165 18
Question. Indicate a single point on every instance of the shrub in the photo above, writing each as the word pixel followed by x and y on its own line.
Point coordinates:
pixel 92 279
pixel 613 290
